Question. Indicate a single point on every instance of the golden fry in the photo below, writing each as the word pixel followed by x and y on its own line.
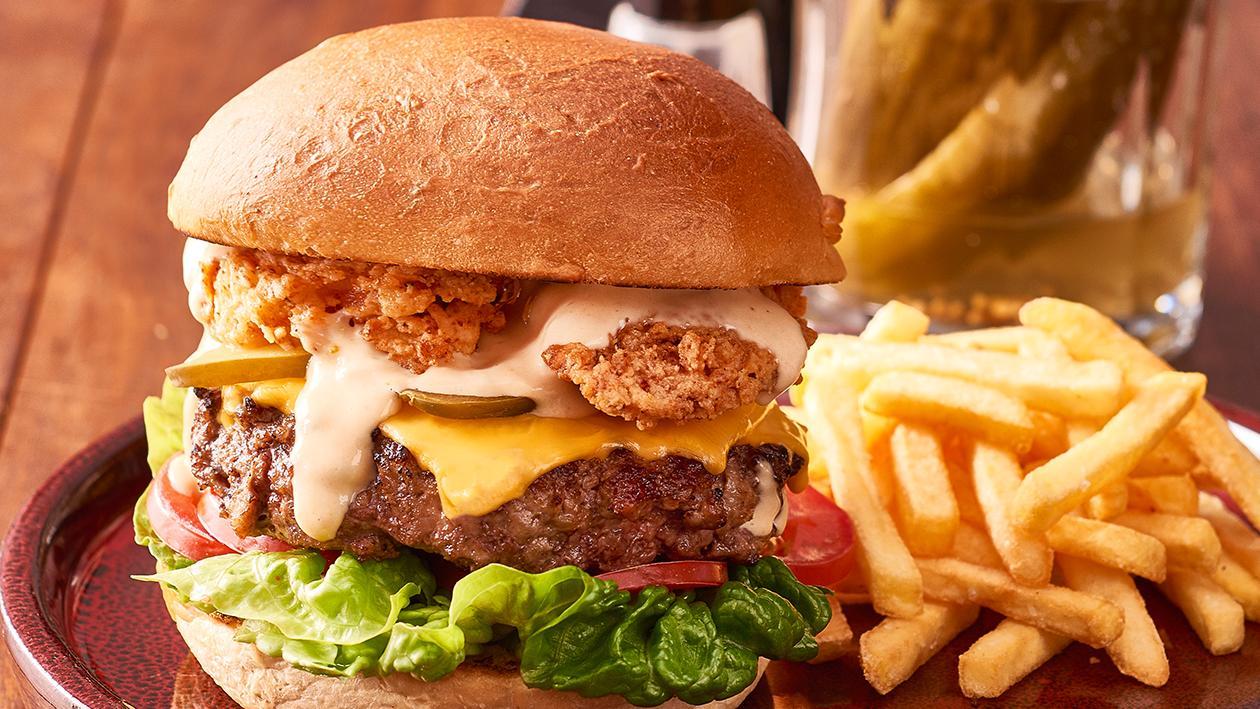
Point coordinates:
pixel 1171 456
pixel 973 546
pixel 1139 651
pixel 996 475
pixel 1081 617
pixel 835 640
pixel 1216 617
pixel 1004 656
pixel 1062 387
pixel 1109 502
pixel 981 411
pixel 1173 494
pixel 1240 584
pixel 1191 542
pixel 892 651
pixel 1049 437
pixel 1239 540
pixel 926 509
pixel 896 322
pixel 964 494
pixel 1091 335
pixel 1054 489
pixel 1016 340
pixel 895 585
pixel 876 429
pixel 881 478
pixel 1110 545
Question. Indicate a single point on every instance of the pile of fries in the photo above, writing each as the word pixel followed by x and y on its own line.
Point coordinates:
pixel 1031 470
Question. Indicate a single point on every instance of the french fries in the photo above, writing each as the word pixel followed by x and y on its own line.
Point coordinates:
pixel 1034 471
pixel 973 546
pixel 1216 617
pixel 1173 494
pixel 1138 652
pixel 925 398
pixel 1110 545
pixel 891 651
pixel 996 475
pixel 895 585
pixel 1241 541
pixel 1081 617
pixel 926 508
pixel 1190 541
pixel 1109 502
pixel 1027 341
pixel 1049 436
pixel 1240 584
pixel 1004 656
pixel 964 494
pixel 835 640
pixel 1054 489
pixel 1090 335
pixel 1063 387
pixel 1170 456
pixel 896 322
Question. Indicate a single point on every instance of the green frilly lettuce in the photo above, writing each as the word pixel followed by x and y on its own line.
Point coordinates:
pixel 571 631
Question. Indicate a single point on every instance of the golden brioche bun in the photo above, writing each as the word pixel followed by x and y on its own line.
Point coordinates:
pixel 511 147
pixel 255 680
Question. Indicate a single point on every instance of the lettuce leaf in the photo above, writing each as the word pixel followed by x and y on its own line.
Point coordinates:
pixel 164 424
pixel 571 631
pixel 346 604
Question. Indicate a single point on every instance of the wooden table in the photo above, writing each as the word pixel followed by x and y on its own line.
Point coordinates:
pixel 100 100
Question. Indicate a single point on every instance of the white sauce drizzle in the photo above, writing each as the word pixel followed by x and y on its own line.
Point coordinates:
pixel 351 386
pixel 770 514
pixel 510 363
pixel 197 254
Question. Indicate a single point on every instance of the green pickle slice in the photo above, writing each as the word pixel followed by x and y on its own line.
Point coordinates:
pixel 458 406
pixel 223 366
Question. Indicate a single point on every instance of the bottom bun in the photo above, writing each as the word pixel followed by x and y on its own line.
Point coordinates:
pixel 253 679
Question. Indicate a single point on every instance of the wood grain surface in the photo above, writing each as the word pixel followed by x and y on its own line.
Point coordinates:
pixel 100 100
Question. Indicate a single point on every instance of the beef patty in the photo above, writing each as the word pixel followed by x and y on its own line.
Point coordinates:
pixel 599 514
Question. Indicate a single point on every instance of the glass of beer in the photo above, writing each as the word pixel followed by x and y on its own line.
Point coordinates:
pixel 993 151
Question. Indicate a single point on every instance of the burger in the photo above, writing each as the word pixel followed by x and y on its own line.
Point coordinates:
pixel 495 315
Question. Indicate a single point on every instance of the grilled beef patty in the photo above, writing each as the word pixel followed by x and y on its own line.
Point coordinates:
pixel 599 514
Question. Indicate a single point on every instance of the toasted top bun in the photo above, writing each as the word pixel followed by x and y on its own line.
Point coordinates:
pixel 511 147
pixel 255 680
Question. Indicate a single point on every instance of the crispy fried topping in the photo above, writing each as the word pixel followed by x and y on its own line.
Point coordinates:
pixel 655 372
pixel 419 317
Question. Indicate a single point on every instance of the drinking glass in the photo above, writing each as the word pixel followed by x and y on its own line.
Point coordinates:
pixel 992 151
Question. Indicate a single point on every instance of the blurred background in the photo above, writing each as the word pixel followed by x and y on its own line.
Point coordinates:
pixel 990 151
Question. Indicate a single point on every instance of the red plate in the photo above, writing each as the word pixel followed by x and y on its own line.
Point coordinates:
pixel 83 633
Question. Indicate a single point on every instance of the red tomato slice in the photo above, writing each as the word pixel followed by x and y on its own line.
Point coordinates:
pixel 670 574
pixel 817 542
pixel 173 516
pixel 221 530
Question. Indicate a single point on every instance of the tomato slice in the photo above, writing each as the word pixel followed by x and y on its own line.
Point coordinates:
pixel 817 542
pixel 173 516
pixel 219 528
pixel 673 575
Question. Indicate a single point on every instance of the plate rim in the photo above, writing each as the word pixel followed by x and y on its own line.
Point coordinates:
pixel 59 675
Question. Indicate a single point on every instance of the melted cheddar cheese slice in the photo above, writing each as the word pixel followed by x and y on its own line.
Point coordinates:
pixel 480 464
